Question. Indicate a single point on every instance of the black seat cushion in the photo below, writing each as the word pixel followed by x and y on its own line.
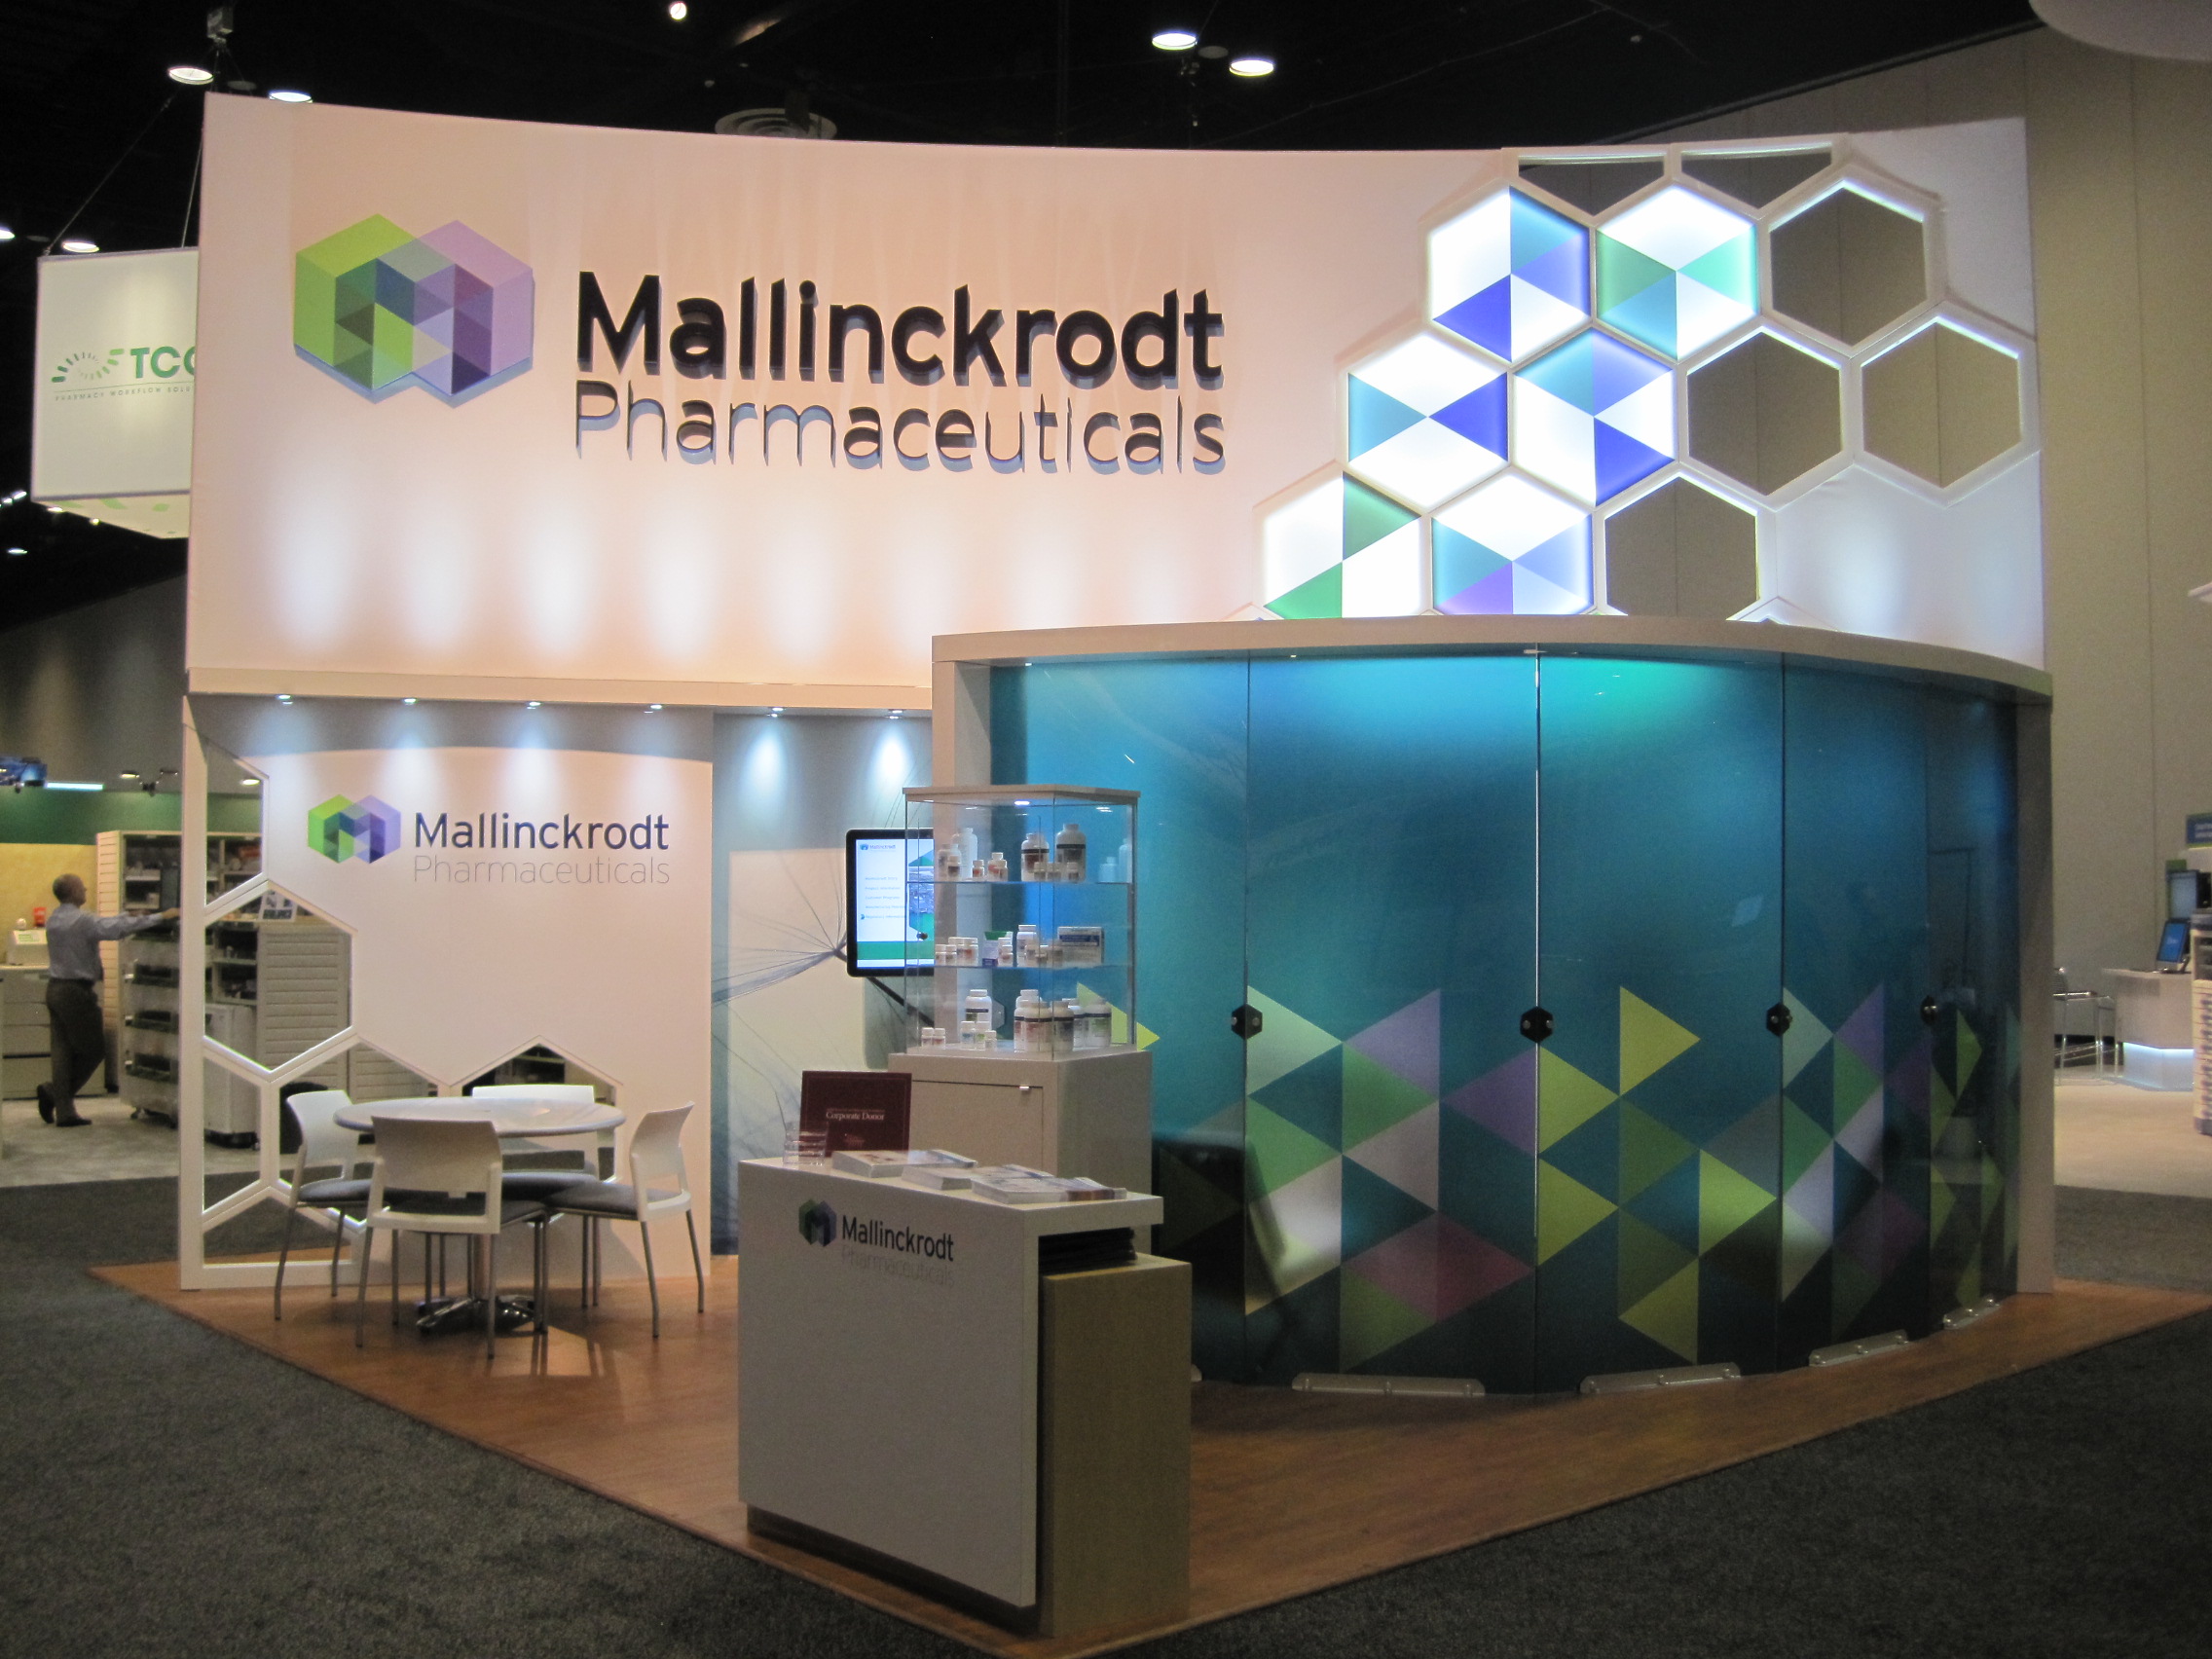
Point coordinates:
pixel 539 1184
pixel 332 1193
pixel 433 1204
pixel 603 1198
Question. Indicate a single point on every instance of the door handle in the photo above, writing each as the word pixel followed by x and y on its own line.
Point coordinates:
pixel 1536 1023
pixel 1778 1019
pixel 1245 1021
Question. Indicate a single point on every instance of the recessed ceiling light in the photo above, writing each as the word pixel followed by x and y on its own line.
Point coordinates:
pixel 6 235
pixel 287 94
pixel 132 776
pixel 249 781
pixel 191 75
pixel 79 244
pixel 409 701
pixel 534 703
pixel 677 10
pixel 56 784
pixel 1251 66
pixel 283 696
pixel 18 552
pixel 1175 40
pixel 653 708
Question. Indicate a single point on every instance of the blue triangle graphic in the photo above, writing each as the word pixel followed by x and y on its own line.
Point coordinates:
pixel 1618 370
pixel 1375 416
pixel 1461 560
pixel 1479 417
pixel 1486 318
pixel 1537 231
pixel 1564 272
pixel 1567 373
pixel 1648 315
pixel 1564 558
pixel 1621 460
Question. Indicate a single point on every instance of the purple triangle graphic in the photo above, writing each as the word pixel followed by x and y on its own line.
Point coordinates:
pixel 1486 318
pixel 1492 596
pixel 1564 272
pixel 1621 459
pixel 1862 1033
pixel 1504 1101
pixel 1907 1082
pixel 1409 1043
pixel 1616 371
pixel 1479 417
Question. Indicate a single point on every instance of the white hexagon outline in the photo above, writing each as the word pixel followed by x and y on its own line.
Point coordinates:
pixel 1806 481
pixel 1856 179
pixel 1468 203
pixel 1312 480
pixel 1762 526
pixel 1986 331
pixel 612 1081
pixel 1668 180
pixel 1394 337
pixel 1679 155
pixel 1663 154
pixel 1428 541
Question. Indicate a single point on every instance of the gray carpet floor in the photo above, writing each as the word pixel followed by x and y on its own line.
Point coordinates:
pixel 167 1491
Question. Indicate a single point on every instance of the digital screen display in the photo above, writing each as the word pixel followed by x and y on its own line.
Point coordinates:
pixel 890 893
pixel 2181 892
pixel 2173 943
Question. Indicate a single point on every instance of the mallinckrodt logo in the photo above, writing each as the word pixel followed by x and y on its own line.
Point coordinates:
pixel 365 830
pixel 817 1223
pixel 447 311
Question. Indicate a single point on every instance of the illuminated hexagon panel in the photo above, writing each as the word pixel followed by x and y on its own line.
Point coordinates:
pixel 1512 549
pixel 1510 274
pixel 1425 421
pixel 1593 416
pixel 1676 271
pixel 1342 549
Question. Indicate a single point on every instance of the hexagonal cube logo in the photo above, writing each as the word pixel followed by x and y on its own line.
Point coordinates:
pixel 365 830
pixel 1425 421
pixel 817 1223
pixel 1676 271
pixel 1512 549
pixel 1342 549
pixel 1593 416
pixel 382 309
pixel 1509 275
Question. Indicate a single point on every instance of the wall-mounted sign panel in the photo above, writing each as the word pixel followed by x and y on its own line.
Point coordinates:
pixel 502 404
pixel 111 403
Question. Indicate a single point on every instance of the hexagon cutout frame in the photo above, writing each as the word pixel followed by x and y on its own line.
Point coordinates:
pixel 1766 412
pixel 1946 406
pixel 1643 541
pixel 1853 262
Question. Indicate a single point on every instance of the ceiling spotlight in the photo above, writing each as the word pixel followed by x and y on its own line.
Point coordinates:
pixel 79 244
pixel 249 781
pixel 283 696
pixel 285 95
pixel 408 701
pixel 18 552
pixel 1175 39
pixel 191 75
pixel 132 776
pixel 678 11
pixel 6 235
pixel 1251 64
pixel 13 497
pixel 653 708
pixel 534 703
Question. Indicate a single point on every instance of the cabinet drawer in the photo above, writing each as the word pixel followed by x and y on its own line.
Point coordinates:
pixel 990 1123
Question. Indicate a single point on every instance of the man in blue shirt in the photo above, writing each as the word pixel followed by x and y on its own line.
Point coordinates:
pixel 73 937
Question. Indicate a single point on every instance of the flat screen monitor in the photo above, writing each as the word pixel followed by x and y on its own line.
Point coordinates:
pixel 2173 944
pixel 890 892
pixel 2183 891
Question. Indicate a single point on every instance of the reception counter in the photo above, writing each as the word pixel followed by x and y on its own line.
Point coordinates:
pixel 2156 1013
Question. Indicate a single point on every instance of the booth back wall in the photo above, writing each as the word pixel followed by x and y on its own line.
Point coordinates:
pixel 1393 859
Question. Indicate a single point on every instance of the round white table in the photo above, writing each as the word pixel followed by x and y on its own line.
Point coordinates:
pixel 512 1117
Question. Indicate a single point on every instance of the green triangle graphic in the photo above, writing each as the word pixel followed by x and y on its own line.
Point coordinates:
pixel 1648 1258
pixel 1941 1201
pixel 1565 1209
pixel 1317 596
pixel 1669 1314
pixel 1851 1288
pixel 1278 1152
pixel 1623 273
pixel 1730 271
pixel 1992 1184
pixel 1649 1150
pixel 1942 1103
pixel 1374 1321
pixel 1565 1098
pixel 1376 1099
pixel 1970 1280
pixel 1855 1081
pixel 1968 1055
pixel 1369 516
pixel 1649 1039
pixel 1286 1042
pixel 1725 1200
pixel 1803 1039
pixel 1802 1143
pixel 1193 1203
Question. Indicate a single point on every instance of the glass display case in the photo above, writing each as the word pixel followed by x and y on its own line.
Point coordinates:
pixel 1023 919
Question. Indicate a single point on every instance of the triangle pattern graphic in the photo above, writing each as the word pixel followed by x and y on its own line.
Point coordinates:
pixel 1405 1155
pixel 1649 1039
pixel 1803 1039
pixel 1565 1098
pixel 1669 1314
pixel 1374 417
pixel 1504 1100
pixel 1565 1209
pixel 1725 1200
pixel 1410 1042
pixel 1286 1042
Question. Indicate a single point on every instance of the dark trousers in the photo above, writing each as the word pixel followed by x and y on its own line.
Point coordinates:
pixel 79 1039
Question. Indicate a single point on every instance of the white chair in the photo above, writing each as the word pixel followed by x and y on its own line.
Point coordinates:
pixel 542 1184
pixel 656 1188
pixel 438 1178
pixel 323 1145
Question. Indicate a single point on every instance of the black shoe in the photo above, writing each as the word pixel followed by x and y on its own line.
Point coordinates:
pixel 45 1103
pixel 72 1122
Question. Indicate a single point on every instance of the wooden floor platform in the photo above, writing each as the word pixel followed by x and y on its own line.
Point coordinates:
pixel 1290 1493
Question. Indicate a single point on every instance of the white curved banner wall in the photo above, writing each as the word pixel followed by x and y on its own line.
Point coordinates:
pixel 831 399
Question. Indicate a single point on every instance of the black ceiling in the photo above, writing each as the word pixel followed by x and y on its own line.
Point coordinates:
pixel 83 91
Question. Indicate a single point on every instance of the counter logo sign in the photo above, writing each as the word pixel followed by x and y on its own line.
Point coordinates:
pixel 817 1223
pixel 365 830
pixel 380 309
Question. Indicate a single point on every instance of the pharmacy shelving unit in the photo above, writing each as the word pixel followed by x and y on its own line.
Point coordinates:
pixel 1072 1111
